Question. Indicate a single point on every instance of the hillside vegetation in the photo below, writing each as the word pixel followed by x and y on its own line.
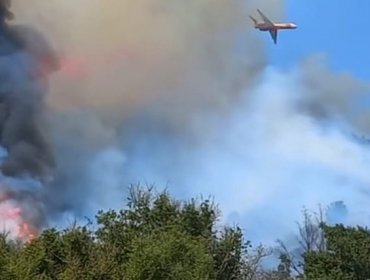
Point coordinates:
pixel 157 237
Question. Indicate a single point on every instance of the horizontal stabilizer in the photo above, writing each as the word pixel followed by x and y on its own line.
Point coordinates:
pixel 254 20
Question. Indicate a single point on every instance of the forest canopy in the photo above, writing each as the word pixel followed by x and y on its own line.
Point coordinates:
pixel 155 236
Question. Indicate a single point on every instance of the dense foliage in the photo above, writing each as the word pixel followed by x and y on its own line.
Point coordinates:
pixel 154 237
pixel 157 237
pixel 347 256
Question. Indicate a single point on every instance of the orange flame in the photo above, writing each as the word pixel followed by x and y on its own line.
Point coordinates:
pixel 12 219
pixel 26 232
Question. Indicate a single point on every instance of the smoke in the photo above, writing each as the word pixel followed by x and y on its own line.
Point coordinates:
pixel 126 65
pixel 289 143
pixel 180 94
pixel 26 158
pixel 274 157
pixel 158 50
pixel 271 156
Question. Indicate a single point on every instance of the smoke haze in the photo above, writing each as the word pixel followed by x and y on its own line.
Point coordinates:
pixel 180 93
pixel 130 70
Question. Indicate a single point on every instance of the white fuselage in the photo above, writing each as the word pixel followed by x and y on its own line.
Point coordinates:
pixel 278 26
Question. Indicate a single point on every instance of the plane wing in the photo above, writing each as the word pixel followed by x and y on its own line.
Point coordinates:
pixel 273 33
pixel 265 19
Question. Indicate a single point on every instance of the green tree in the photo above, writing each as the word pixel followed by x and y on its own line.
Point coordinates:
pixel 171 254
pixel 7 252
pixel 153 237
pixel 347 256
pixel 150 217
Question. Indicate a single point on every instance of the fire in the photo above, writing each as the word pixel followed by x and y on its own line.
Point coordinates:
pixel 13 221
pixel 26 232
pixel 80 66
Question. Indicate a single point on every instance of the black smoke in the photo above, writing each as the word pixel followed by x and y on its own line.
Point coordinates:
pixel 26 61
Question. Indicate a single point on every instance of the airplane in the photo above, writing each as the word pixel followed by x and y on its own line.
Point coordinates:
pixel 273 28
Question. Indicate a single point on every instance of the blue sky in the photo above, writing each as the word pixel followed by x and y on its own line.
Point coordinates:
pixel 339 29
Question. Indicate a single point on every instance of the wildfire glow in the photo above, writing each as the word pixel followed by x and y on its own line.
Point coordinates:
pixel 13 222
pixel 74 67
pixel 26 232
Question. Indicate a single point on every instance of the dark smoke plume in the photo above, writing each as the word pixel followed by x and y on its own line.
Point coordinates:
pixel 26 60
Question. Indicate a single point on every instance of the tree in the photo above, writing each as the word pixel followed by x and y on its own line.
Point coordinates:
pixel 171 255
pixel 188 225
pixel 310 238
pixel 153 237
pixel 347 255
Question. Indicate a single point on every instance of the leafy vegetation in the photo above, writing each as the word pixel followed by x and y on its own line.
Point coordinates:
pixel 158 237
pixel 347 255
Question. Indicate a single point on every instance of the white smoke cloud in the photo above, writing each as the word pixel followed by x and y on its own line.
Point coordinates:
pixel 266 161
pixel 272 159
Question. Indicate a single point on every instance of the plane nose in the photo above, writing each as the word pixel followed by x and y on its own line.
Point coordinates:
pixel 294 25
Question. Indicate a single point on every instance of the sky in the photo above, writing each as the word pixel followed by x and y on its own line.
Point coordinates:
pixel 337 29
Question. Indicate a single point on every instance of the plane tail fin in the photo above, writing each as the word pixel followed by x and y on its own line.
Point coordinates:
pixel 265 18
pixel 254 20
